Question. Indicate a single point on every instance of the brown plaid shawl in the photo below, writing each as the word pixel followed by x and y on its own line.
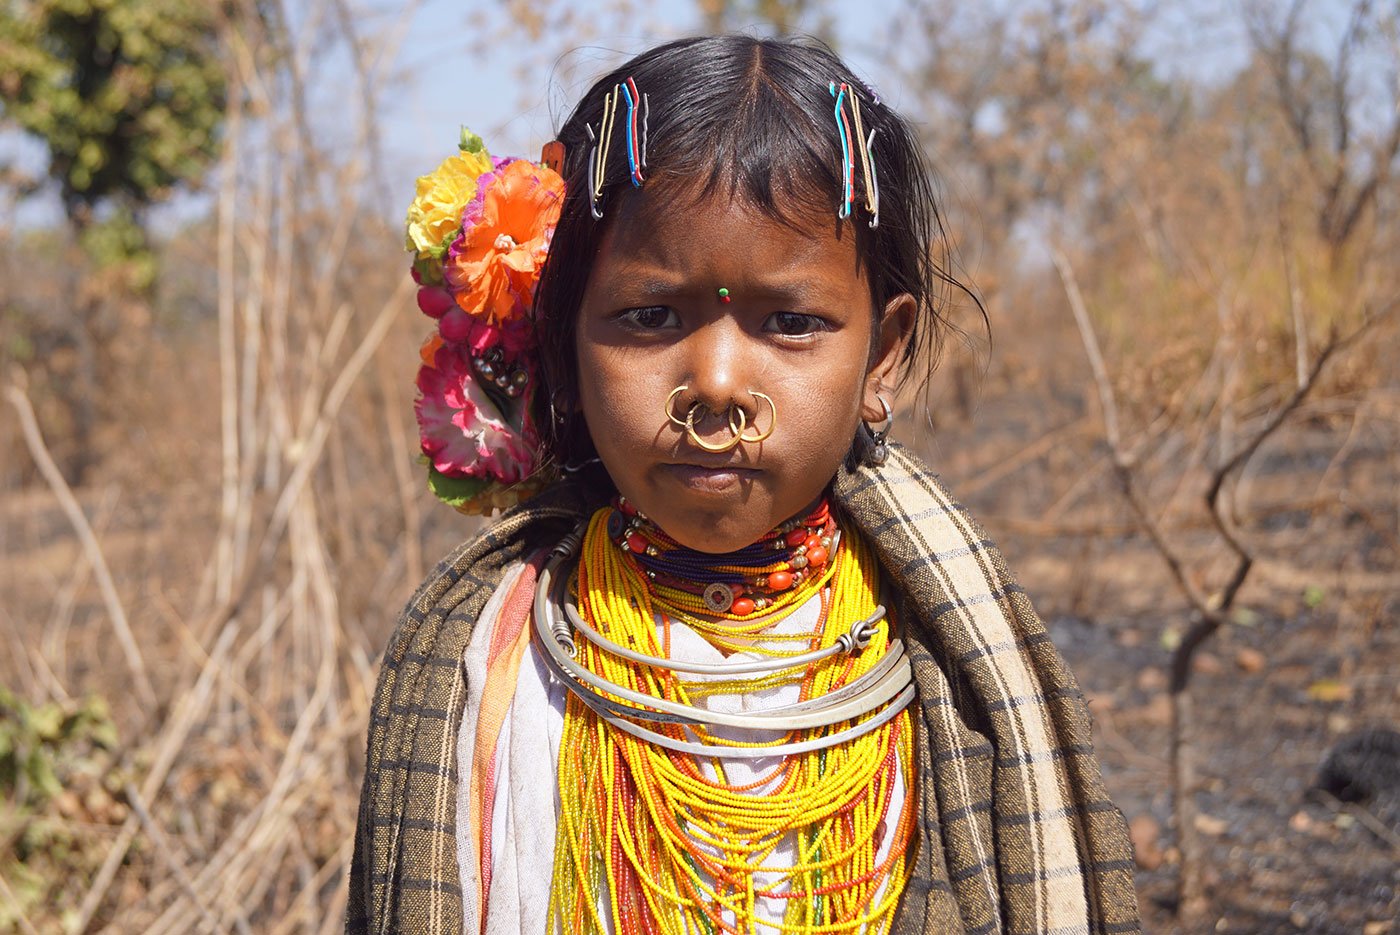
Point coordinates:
pixel 1016 833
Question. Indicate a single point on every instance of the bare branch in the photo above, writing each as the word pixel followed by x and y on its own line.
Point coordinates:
pixel 1091 348
pixel 34 439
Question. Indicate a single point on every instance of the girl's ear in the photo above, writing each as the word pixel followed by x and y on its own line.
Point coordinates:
pixel 895 327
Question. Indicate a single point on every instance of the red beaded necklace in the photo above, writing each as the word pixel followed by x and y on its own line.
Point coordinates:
pixel 735 583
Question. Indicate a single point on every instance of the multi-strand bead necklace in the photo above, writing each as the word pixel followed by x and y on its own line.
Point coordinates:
pixel 652 839
pixel 745 592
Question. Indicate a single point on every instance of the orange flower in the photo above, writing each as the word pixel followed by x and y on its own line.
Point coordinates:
pixel 430 348
pixel 492 268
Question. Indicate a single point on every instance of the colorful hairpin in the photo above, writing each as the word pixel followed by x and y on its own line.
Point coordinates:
pixel 638 113
pixel 844 125
pixel 843 133
pixel 598 155
pixel 867 161
pixel 636 141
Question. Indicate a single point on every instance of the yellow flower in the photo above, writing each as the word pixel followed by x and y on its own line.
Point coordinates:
pixel 436 211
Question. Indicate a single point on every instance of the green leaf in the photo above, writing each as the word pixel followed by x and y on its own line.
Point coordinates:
pixel 46 721
pixel 455 491
pixel 1244 617
pixel 1313 596
pixel 471 143
pixel 41 775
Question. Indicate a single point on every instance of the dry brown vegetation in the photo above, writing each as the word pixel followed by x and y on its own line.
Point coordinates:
pixel 1187 437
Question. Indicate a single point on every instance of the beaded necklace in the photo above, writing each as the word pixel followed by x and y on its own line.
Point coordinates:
pixel 733 597
pixel 651 840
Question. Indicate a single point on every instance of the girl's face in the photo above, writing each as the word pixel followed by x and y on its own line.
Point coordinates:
pixel 799 327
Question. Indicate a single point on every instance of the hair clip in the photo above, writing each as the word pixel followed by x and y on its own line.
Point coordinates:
pixel 598 155
pixel 867 161
pixel 843 132
pixel 844 125
pixel 636 141
pixel 552 156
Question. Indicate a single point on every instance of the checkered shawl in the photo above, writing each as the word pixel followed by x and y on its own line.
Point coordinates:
pixel 1015 831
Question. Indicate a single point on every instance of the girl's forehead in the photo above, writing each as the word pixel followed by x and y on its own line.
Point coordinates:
pixel 677 228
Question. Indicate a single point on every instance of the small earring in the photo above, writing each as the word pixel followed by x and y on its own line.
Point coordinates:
pixel 877 451
pixel 554 415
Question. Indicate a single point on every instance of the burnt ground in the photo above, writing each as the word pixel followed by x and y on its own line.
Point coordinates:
pixel 1312 654
pixel 1277 858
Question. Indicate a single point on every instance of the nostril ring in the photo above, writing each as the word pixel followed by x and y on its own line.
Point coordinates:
pixel 772 421
pixel 699 442
pixel 671 406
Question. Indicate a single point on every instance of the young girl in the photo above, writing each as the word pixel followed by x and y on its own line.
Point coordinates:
pixel 738 664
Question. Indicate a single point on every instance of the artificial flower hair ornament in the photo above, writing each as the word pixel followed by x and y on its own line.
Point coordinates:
pixel 480 228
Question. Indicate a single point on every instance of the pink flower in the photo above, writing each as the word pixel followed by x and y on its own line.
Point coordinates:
pixel 515 338
pixel 462 430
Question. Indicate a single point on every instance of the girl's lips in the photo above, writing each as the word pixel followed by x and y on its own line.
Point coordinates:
pixel 716 479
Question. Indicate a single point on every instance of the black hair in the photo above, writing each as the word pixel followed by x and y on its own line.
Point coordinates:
pixel 753 119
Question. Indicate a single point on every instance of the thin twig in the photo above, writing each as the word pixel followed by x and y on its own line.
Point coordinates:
pixel 25 925
pixel 1091 348
pixel 165 850
pixel 185 714
pixel 310 454
pixel 34 439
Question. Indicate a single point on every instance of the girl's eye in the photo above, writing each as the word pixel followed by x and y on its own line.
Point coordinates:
pixel 650 317
pixel 793 324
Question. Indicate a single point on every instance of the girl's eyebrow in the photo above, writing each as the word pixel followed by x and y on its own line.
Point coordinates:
pixel 648 283
pixel 646 280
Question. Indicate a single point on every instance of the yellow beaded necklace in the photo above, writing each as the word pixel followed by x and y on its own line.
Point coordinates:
pixel 652 840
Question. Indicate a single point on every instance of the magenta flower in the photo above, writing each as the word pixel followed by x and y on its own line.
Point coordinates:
pixel 463 431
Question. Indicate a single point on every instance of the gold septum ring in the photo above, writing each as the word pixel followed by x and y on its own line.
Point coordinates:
pixel 738 421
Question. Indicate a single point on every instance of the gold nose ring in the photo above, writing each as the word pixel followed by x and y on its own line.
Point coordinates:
pixel 738 420
pixel 676 420
pixel 696 440
pixel 739 430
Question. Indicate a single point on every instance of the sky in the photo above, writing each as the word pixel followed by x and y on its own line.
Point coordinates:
pixel 446 74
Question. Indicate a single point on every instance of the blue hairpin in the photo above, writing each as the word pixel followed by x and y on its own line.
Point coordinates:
pixel 636 141
pixel 847 164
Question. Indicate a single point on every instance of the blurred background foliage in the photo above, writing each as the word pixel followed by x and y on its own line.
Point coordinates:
pixel 1183 222
pixel 126 97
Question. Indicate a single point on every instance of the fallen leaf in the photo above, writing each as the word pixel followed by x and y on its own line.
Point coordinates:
pixel 1158 711
pixel 1250 660
pixel 1146 833
pixel 1151 679
pixel 1244 617
pixel 1206 664
pixel 1326 690
pixel 1208 824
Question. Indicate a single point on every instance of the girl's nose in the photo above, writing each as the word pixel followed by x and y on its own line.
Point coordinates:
pixel 717 364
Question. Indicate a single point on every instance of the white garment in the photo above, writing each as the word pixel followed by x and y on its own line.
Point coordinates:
pixel 523 822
